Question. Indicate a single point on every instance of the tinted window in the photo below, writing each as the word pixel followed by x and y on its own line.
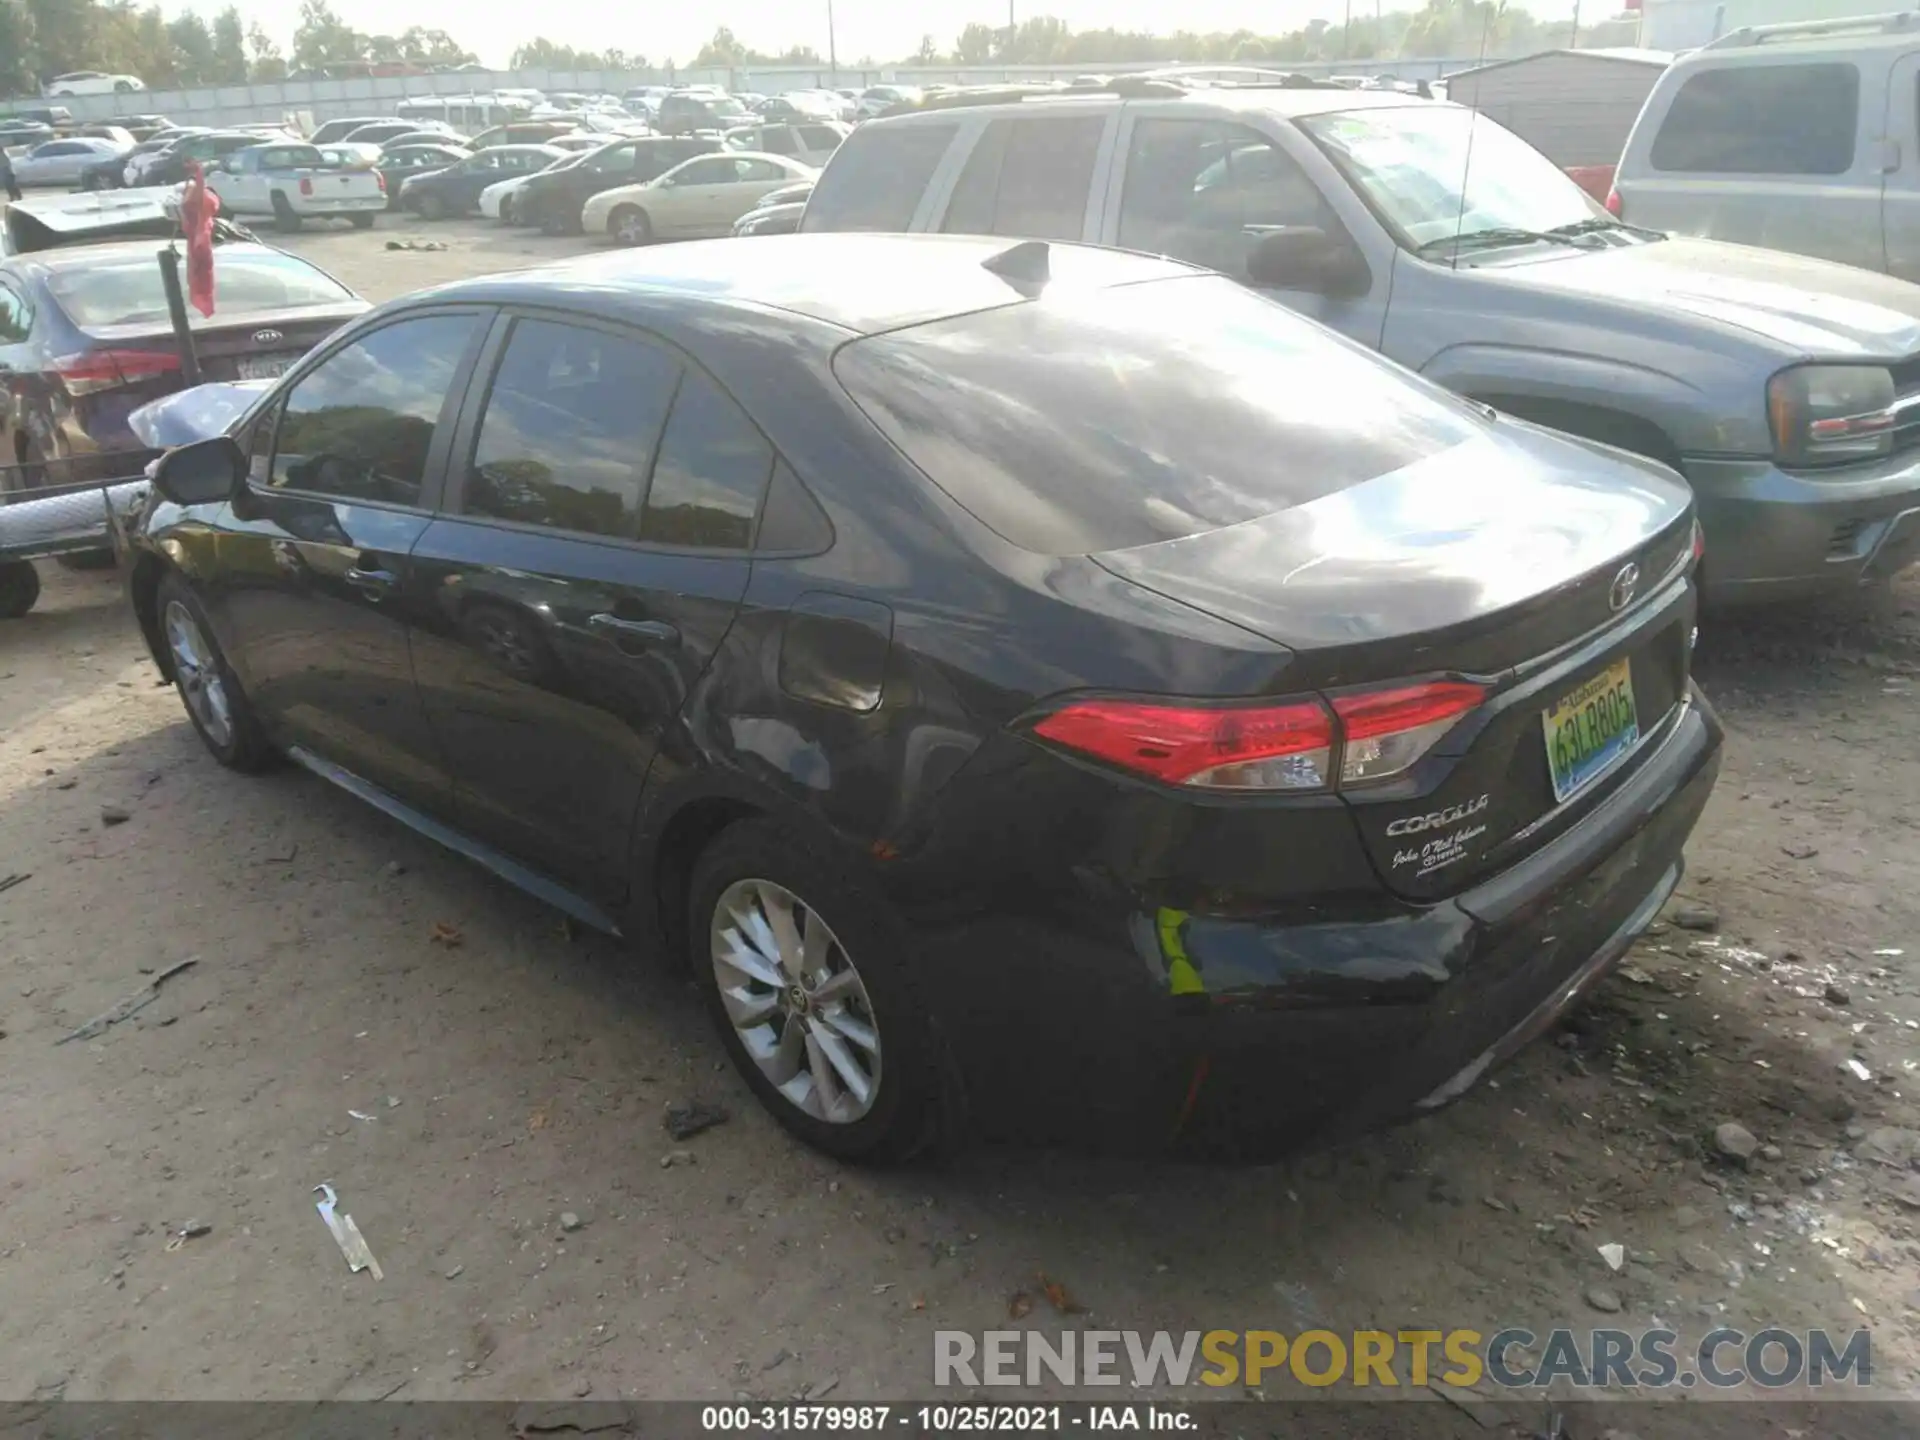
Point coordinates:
pixel 1202 191
pixel 775 140
pixel 877 177
pixel 570 429
pixel 712 470
pixel 617 159
pixel 361 425
pixel 1762 120
pixel 1148 412
pixel 1028 178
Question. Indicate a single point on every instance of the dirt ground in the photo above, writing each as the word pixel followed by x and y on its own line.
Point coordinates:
pixel 462 1098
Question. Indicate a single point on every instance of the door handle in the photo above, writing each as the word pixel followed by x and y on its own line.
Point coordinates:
pixel 372 583
pixel 647 632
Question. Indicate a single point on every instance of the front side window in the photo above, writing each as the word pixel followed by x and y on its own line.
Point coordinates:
pixel 1028 178
pixel 1205 191
pixel 570 430
pixel 1435 171
pixel 717 171
pixel 1762 120
pixel 360 426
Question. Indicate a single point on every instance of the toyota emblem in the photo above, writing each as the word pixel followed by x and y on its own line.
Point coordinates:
pixel 1624 584
pixel 267 337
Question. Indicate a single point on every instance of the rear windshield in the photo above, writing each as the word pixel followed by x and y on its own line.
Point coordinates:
pixel 128 292
pixel 1144 413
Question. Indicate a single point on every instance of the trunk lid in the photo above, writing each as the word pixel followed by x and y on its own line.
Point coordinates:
pixel 1506 561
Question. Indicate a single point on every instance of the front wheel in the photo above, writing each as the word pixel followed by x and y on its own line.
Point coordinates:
pixel 19 588
pixel 360 222
pixel 808 980
pixel 285 219
pixel 215 703
pixel 629 225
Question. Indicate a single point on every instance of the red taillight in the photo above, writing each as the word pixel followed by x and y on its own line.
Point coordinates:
pixel 93 370
pixel 1385 731
pixel 1268 747
pixel 1613 202
pixel 1699 543
pixel 306 185
pixel 381 176
pixel 1284 746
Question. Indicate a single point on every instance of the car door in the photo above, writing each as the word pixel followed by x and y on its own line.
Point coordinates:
pixel 602 170
pixel 595 551
pixel 1206 191
pixel 316 586
pixel 676 203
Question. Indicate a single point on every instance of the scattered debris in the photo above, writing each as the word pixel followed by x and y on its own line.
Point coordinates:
pixel 1836 994
pixel 1772 1154
pixel 445 934
pixel 1799 852
pixel 1696 917
pixel 537 1120
pixel 1635 975
pixel 823 1389
pixel 362 1115
pixel 416 244
pixel 112 815
pixel 1058 1297
pixel 392 869
pixel 129 1007
pixel 1019 1305
pixel 1859 1071
pixel 1606 1301
pixel 582 1388
pixel 1734 1141
pixel 1907 1192
pixel 684 1121
pixel 677 1157
pixel 780 1357
pixel 7 882
pixel 192 1230
pixel 1701 1260
pixel 570 1222
pixel 1889 1145
pixel 453 1272
pixel 346 1234
pixel 1614 1255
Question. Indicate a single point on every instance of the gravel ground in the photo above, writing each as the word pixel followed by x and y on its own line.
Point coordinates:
pixel 490 1110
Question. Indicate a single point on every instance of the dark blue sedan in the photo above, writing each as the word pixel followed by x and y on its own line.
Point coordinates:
pixel 456 189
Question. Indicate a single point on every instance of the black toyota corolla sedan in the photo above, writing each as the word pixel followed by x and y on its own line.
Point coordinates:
pixel 1040 690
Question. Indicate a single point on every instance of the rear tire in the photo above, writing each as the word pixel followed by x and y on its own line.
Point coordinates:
pixel 361 222
pixel 211 694
pixel 284 218
pixel 846 977
pixel 629 225
pixel 431 207
pixel 19 588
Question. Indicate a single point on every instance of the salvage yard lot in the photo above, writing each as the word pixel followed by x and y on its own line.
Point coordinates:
pixel 510 1072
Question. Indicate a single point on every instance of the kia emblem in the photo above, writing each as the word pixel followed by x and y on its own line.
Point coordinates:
pixel 1624 584
pixel 267 337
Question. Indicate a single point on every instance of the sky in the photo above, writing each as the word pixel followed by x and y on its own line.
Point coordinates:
pixel 884 29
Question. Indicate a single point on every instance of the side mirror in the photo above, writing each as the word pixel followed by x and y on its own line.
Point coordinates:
pixel 1310 259
pixel 203 473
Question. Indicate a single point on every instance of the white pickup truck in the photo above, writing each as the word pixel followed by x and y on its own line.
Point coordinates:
pixel 293 182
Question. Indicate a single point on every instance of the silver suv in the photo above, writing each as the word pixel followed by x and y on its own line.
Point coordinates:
pixel 1787 390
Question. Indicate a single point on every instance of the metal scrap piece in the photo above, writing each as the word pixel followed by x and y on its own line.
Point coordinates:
pixel 128 1007
pixel 346 1234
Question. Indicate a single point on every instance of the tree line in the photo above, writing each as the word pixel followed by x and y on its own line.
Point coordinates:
pixel 43 38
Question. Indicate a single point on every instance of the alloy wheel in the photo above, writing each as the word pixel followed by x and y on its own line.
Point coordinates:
pixel 796 1001
pixel 198 673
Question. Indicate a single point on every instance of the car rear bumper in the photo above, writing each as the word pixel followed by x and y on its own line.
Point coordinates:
pixel 1247 1036
pixel 1772 535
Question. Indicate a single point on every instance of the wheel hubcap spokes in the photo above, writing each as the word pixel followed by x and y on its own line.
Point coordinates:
pixel 198 675
pixel 796 1001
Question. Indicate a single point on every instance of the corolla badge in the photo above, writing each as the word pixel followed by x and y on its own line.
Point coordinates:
pixel 1452 815
pixel 1624 584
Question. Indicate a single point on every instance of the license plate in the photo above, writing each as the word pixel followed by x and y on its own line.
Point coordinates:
pixel 264 367
pixel 1590 730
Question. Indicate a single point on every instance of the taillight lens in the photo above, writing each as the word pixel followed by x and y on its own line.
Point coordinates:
pixel 1699 543
pixel 95 370
pixel 1386 731
pixel 1286 746
pixel 382 178
pixel 1613 203
pixel 306 185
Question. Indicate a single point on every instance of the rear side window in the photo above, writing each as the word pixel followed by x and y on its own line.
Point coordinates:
pixel 1762 120
pixel 1028 178
pixel 1147 412
pixel 877 177
pixel 712 471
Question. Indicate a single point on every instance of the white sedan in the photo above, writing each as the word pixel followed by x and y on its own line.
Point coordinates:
pixel 497 200
pixel 701 196
pixel 93 82
pixel 59 162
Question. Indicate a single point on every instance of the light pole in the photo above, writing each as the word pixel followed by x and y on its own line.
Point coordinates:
pixel 833 50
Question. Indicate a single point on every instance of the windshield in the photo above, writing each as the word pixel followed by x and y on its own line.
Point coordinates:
pixel 128 292
pixel 1409 162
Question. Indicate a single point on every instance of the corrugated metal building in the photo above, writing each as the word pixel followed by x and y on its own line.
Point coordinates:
pixel 1575 106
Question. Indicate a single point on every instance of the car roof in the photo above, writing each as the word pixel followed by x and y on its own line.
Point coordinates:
pixel 1286 102
pixel 863 283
